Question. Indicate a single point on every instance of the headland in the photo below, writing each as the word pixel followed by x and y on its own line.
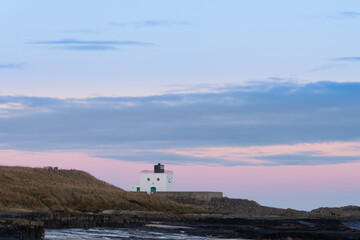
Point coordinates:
pixel 34 199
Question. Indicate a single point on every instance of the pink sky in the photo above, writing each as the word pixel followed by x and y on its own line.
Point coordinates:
pixel 300 187
pixel 249 153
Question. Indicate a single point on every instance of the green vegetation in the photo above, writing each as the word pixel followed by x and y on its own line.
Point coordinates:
pixel 35 189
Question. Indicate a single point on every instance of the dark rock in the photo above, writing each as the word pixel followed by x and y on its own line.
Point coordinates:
pixel 260 228
pixel 26 225
pixel 31 225
pixel 348 212
pixel 58 220
pixel 247 208
pixel 21 229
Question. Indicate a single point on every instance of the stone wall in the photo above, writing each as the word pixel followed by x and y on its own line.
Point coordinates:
pixel 200 196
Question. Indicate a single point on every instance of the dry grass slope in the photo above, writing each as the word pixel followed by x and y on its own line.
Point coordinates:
pixel 38 189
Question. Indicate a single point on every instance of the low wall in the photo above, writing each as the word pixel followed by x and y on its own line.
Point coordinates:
pixel 201 196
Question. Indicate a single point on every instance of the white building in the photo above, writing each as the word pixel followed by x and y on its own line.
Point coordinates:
pixel 158 180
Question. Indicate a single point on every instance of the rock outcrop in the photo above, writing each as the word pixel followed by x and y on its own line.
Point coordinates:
pixel 348 212
pixel 247 208
pixel 31 225
pixel 21 228
pixel 261 228
pixel 56 220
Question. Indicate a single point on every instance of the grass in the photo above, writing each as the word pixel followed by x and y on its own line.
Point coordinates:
pixel 35 189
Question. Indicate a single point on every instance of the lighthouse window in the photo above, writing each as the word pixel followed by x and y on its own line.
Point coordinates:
pixel 148 179
pixel 158 179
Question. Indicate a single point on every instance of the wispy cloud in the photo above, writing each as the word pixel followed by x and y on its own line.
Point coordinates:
pixel 82 30
pixel 349 14
pixel 169 158
pixel 11 65
pixel 324 67
pixel 340 62
pixel 86 42
pixel 304 159
pixel 348 59
pixel 74 44
pixel 88 47
pixel 11 106
pixel 344 15
pixel 150 23
pixel 295 154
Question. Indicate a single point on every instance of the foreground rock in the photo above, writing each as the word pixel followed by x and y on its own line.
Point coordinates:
pixel 78 220
pixel 261 229
pixel 233 226
pixel 21 228
pixel 31 225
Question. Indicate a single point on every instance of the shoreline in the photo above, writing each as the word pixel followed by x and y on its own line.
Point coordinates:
pixel 33 225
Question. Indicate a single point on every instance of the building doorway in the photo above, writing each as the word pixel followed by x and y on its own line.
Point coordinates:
pixel 153 189
pixel 138 189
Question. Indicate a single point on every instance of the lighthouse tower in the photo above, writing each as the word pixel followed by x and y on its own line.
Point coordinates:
pixel 157 180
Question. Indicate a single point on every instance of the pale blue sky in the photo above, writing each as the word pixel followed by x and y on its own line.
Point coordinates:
pixel 271 84
pixel 135 48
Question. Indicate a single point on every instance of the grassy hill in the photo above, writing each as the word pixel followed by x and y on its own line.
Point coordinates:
pixel 36 189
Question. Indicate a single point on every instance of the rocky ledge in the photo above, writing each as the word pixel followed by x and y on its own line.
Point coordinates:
pixel 21 228
pixel 32 225
pixel 248 208
pixel 237 227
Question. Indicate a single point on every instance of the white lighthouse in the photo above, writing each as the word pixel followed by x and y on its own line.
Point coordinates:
pixel 158 180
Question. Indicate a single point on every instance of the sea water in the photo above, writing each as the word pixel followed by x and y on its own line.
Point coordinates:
pixel 352 224
pixel 137 233
pixel 119 233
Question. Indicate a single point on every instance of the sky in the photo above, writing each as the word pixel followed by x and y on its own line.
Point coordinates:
pixel 257 99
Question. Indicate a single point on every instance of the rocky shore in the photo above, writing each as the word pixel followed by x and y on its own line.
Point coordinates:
pixel 21 228
pixel 248 208
pixel 74 199
pixel 261 228
pixel 235 226
pixel 240 218
pixel 32 225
